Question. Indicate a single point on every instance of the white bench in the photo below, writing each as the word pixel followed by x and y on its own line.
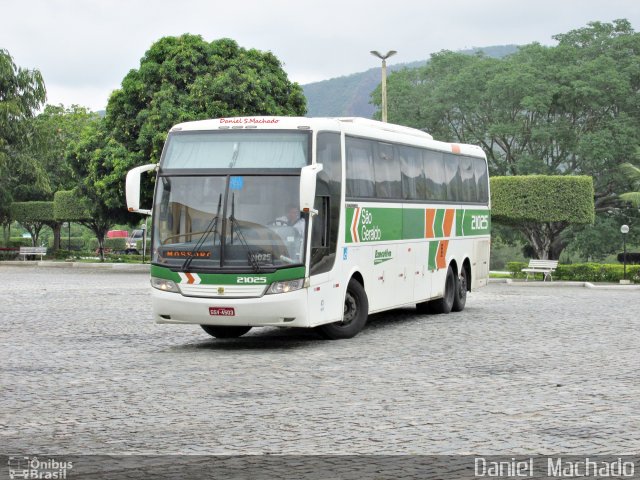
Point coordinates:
pixel 24 251
pixel 545 267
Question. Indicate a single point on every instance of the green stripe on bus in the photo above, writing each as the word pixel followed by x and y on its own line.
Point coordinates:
pixel 472 222
pixel 438 231
pixel 433 251
pixel 231 278
pixel 412 223
pixel 373 224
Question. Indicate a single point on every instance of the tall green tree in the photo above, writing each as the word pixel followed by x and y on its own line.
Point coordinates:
pixel 186 78
pixel 53 133
pixel 94 159
pixel 33 216
pixel 567 109
pixel 22 92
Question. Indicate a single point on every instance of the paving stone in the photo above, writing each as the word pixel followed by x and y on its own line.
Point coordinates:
pixel 84 369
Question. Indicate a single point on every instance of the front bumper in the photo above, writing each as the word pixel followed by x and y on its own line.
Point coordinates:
pixel 280 310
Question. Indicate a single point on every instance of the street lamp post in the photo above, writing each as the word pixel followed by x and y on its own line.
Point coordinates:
pixel 384 79
pixel 624 229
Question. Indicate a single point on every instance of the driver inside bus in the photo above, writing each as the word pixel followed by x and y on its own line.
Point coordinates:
pixel 291 219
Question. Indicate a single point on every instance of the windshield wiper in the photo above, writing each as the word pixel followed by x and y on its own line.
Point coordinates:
pixel 255 265
pixel 213 226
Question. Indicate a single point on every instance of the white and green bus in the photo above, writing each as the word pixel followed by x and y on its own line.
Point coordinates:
pixel 312 222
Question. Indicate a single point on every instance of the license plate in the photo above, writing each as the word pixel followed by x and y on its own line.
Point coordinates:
pixel 222 311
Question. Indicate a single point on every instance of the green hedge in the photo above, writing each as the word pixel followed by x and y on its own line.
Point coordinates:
pixel 77 243
pixel 32 211
pixel 19 242
pixel 68 206
pixel 542 198
pixel 584 272
pixel 112 243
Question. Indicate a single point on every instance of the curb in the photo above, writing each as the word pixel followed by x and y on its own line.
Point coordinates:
pixel 551 284
pixel 130 267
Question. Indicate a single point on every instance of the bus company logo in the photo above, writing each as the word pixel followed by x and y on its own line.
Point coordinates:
pixel 382 256
pixel 362 228
pixel 33 467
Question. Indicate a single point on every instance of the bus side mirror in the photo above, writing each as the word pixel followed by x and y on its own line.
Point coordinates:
pixel 308 176
pixel 132 188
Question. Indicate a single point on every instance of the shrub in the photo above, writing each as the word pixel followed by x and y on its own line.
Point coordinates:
pixel 77 243
pixel 26 212
pixel 8 254
pixel 584 272
pixel 68 206
pixel 540 198
pixel 19 242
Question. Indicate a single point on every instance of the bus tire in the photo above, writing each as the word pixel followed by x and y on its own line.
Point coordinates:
pixel 221 331
pixel 444 304
pixel 460 298
pixel 356 311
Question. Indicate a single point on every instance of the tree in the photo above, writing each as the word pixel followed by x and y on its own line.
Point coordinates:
pixel 567 109
pixel 542 207
pixel 33 216
pixel 22 92
pixel 571 108
pixel 633 174
pixel 96 160
pixel 53 133
pixel 185 78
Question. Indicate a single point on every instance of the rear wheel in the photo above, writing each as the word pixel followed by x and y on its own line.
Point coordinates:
pixel 356 311
pixel 444 304
pixel 220 331
pixel 461 291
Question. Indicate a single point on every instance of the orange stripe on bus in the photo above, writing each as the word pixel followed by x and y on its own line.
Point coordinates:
pixel 441 256
pixel 448 221
pixel 430 215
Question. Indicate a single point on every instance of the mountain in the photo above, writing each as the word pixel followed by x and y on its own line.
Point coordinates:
pixel 349 96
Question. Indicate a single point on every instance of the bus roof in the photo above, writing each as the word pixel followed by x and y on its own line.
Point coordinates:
pixel 356 126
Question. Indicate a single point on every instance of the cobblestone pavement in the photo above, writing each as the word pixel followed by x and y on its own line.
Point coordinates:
pixel 521 370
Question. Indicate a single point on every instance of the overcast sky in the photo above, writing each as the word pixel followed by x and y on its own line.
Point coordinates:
pixel 84 48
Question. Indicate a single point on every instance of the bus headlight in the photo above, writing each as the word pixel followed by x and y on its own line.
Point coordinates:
pixel 164 285
pixel 284 287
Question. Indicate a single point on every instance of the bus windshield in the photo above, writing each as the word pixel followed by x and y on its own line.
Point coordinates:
pixel 240 223
pixel 230 149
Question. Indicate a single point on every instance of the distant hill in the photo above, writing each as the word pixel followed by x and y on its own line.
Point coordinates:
pixel 350 95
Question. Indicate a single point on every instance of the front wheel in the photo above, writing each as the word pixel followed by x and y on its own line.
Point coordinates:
pixel 220 331
pixel 356 311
